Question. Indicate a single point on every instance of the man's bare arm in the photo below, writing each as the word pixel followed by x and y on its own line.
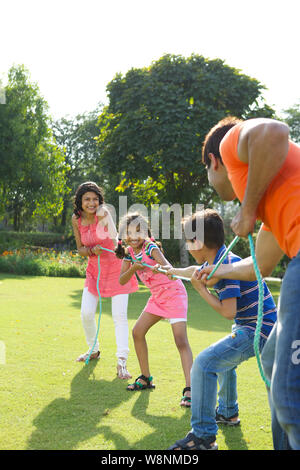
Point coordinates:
pixel 263 145
pixel 268 255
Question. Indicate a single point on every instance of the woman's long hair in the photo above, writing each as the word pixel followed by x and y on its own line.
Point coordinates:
pixel 86 187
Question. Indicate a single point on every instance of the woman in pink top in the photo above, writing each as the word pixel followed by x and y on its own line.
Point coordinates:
pixel 93 227
pixel 168 298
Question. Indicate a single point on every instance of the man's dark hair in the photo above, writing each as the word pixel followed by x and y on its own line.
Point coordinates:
pixel 213 139
pixel 213 228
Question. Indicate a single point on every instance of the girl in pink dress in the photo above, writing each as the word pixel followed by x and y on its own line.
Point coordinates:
pixel 168 298
pixel 93 227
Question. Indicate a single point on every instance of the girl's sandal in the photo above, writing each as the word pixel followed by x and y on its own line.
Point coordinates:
pixel 122 371
pixel 137 385
pixel 186 401
pixel 84 356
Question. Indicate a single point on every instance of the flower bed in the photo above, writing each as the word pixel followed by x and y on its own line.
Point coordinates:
pixel 39 261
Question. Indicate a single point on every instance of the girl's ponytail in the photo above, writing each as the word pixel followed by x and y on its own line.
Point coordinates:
pixel 155 241
pixel 120 251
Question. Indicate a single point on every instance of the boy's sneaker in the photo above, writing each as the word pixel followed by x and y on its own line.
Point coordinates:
pixel 220 419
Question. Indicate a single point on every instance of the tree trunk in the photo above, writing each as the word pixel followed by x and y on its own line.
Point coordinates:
pixel 184 254
pixel 17 216
pixel 64 214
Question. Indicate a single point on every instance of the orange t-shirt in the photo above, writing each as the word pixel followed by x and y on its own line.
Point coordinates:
pixel 279 208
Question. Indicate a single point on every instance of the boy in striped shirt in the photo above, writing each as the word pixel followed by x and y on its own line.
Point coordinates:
pixel 235 300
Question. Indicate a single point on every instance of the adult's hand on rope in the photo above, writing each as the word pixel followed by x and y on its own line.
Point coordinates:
pixel 243 223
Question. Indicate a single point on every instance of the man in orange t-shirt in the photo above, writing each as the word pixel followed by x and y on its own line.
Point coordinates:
pixel 255 161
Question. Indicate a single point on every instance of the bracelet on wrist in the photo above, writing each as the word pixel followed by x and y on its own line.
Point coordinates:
pixel 89 250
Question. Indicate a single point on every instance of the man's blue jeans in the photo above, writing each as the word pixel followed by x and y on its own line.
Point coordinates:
pixel 281 362
pixel 215 364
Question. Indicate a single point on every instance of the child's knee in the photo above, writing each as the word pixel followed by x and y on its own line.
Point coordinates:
pixel 200 363
pixel 137 333
pixel 181 342
pixel 87 315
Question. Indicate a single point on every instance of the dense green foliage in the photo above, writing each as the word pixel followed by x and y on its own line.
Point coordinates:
pixel 157 118
pixel 10 239
pixel 292 118
pixel 42 262
pixel 32 169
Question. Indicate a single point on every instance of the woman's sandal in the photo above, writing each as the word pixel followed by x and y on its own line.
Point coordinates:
pixel 84 356
pixel 122 371
pixel 186 401
pixel 139 385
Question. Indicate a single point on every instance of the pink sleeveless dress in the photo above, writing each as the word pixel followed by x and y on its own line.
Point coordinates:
pixel 168 298
pixel 110 265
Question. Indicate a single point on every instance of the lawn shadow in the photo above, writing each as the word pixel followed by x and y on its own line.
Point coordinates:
pixel 168 430
pixel 137 301
pixel 233 436
pixel 64 423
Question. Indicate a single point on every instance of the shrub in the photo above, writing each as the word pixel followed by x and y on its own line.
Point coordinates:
pixel 43 262
pixel 10 240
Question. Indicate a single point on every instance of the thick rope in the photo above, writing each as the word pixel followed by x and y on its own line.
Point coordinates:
pixel 223 257
pixel 164 271
pixel 260 310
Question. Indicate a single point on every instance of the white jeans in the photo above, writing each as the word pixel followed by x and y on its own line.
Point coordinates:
pixel 119 304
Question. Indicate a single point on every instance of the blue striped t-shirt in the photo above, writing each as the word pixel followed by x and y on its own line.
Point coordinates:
pixel 246 293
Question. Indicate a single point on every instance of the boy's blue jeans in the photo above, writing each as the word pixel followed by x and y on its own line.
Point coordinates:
pixel 281 362
pixel 216 364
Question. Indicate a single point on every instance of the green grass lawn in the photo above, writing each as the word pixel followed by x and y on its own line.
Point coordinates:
pixel 48 401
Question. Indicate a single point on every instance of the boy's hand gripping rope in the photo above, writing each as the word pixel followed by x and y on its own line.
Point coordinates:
pixel 260 299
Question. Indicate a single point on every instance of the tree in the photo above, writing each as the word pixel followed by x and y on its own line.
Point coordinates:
pixel 31 167
pixel 292 118
pixel 157 117
pixel 76 139
pixel 156 120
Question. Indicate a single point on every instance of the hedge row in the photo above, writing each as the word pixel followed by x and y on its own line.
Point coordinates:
pixel 10 240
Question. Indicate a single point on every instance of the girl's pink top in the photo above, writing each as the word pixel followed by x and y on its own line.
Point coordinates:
pixel 169 298
pixel 110 265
